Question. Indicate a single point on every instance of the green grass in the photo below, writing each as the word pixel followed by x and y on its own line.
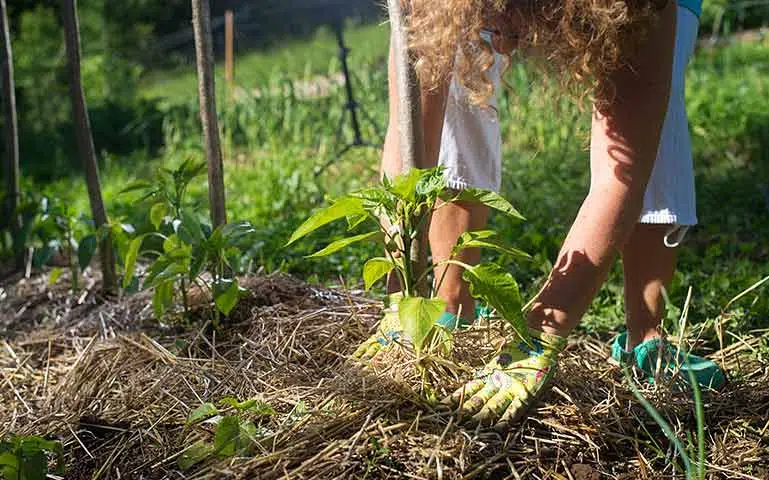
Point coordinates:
pixel 274 143
pixel 302 59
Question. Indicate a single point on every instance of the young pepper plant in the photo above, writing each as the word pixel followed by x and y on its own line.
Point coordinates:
pixel 185 251
pixel 401 210
pixel 50 228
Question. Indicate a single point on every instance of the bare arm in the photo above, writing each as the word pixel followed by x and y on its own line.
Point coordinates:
pixel 624 142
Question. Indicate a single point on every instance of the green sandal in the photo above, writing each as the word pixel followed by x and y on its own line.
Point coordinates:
pixel 645 356
pixel 512 382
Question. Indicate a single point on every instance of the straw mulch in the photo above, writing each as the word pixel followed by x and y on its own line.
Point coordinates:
pixel 116 386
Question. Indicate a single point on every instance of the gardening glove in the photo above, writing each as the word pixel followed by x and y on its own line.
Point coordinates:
pixel 511 383
pixel 390 331
pixel 387 334
pixel 657 358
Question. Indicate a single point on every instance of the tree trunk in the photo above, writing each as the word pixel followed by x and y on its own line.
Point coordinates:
pixel 410 129
pixel 12 139
pixel 85 142
pixel 201 22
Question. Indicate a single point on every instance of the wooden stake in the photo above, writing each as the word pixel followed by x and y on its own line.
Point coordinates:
pixel 85 142
pixel 410 127
pixel 409 94
pixel 201 22
pixel 12 138
pixel 229 51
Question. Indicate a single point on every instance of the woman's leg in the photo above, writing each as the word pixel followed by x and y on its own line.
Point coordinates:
pixel 448 223
pixel 648 268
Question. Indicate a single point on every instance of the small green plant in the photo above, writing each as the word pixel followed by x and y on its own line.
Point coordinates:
pixel 26 458
pixel 188 251
pixel 401 210
pixel 51 228
pixel 235 432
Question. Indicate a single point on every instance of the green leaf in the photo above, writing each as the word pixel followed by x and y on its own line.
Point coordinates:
pixel 195 454
pixel 340 244
pixel 418 316
pixel 172 244
pixel 188 171
pixel 343 207
pixel 9 461
pixel 248 436
pixel 190 230
pixel 405 185
pixel 239 234
pixel 166 269
pixel 375 269
pixel 256 406
pixel 226 436
pixel 34 466
pixel 157 213
pixel 199 259
pixel 203 412
pixel 130 259
pixel 487 239
pixel 496 287
pixel 163 298
pixel 216 242
pixel 137 185
pixel 432 182
pixel 490 199
pixel 227 293
pixel 354 221
pixel 53 277
pixel 86 251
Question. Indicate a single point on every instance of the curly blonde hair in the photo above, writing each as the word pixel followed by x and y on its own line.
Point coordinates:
pixel 582 42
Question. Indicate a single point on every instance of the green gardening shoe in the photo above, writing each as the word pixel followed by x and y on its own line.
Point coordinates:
pixel 645 356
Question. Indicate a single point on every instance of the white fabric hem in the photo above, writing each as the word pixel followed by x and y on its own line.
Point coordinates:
pixel 459 184
pixel 665 218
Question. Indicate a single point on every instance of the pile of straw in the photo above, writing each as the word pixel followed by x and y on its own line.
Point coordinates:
pixel 116 387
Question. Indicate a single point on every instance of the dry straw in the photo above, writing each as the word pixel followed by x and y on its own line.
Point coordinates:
pixel 116 387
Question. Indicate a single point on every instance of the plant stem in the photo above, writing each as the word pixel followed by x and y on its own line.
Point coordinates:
pixel 185 300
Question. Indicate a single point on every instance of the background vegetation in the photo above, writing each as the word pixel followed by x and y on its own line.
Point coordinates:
pixel 282 124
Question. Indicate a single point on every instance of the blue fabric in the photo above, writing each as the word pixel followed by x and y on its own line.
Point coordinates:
pixel 694 5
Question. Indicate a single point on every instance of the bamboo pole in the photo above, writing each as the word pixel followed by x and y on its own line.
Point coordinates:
pixel 201 22
pixel 13 191
pixel 410 127
pixel 85 142
pixel 229 52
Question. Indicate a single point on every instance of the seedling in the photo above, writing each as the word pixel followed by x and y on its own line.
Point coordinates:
pixel 235 432
pixel 401 210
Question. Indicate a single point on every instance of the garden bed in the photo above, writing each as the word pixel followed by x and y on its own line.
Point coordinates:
pixel 116 387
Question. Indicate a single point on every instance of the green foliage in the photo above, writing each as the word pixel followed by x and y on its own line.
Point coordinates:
pixel 189 253
pixel 235 434
pixel 52 228
pixel 402 209
pixel 418 317
pixel 26 458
